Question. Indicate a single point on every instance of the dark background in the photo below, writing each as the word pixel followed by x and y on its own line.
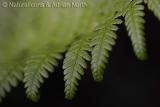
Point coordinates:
pixel 127 82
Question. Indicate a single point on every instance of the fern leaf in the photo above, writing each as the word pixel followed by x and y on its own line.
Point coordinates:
pixel 37 67
pixel 102 43
pixel 154 5
pixel 74 65
pixel 9 77
pixel 135 25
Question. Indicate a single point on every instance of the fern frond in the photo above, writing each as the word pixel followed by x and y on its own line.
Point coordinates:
pixel 74 65
pixel 9 77
pixel 135 25
pixel 154 5
pixel 102 43
pixel 37 69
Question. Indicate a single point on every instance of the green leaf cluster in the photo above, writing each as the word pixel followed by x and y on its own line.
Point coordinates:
pixel 34 40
